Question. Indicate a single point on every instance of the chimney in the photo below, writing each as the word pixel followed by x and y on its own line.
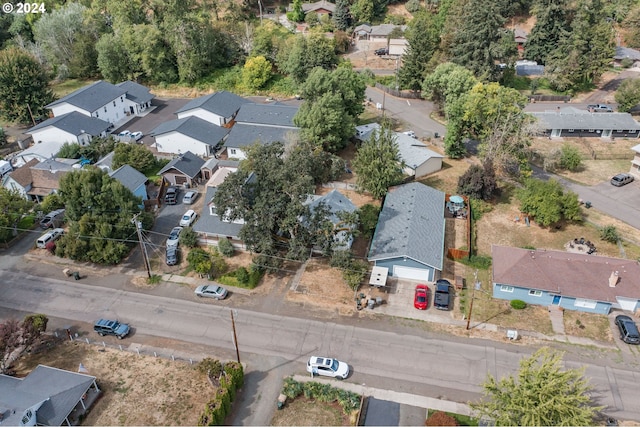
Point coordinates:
pixel 613 279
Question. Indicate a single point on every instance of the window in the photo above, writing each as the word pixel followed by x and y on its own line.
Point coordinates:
pixel 591 130
pixel 585 303
pixel 121 99
pixel 27 417
pixel 114 103
pixel 632 131
pixel 233 151
pixel 535 293
pixel 105 108
pixel 505 288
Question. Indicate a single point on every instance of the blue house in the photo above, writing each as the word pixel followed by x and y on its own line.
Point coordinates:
pixel 409 237
pixel 582 282
pixel 135 181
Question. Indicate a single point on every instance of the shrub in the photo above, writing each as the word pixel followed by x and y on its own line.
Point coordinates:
pixel 610 234
pixel 477 261
pixel 242 275
pixel 188 237
pixel 570 158
pixel 341 259
pixel 368 216
pixel 517 304
pixel 225 247
pixel 412 6
pixel 441 419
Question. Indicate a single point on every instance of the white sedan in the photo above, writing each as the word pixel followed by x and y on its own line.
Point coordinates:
pixel 174 236
pixel 327 367
pixel 136 136
pixel 211 291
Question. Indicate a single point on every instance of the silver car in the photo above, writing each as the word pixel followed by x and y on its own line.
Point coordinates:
pixel 211 291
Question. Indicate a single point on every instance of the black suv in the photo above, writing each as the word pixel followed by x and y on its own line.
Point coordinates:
pixel 628 329
pixel 382 51
pixel 442 297
pixel 111 327
pixel 171 196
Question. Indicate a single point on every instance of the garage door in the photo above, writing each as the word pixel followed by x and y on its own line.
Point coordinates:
pixel 411 273
pixel 627 304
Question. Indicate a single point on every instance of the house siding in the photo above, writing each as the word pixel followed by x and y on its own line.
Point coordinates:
pixel 597 133
pixel 237 154
pixel 11 185
pixel 546 299
pixel 410 263
pixel 112 115
pixel 204 115
pixel 432 165
pixel 53 134
pixel 176 143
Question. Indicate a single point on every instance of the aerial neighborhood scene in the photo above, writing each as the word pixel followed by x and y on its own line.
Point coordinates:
pixel 332 212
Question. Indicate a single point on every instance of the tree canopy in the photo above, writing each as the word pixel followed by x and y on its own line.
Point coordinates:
pixel 422 38
pixel 542 393
pixel 135 155
pixel 548 203
pixel 628 94
pixel 12 207
pixel 447 84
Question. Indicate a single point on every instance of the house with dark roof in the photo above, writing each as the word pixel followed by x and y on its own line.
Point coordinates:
pixel 321 7
pixel 626 53
pixel 261 124
pixel 72 127
pixel 573 281
pixel 183 170
pixel 46 397
pixel 211 227
pixel 336 203
pixel 190 133
pixel 101 100
pixel 409 236
pixel 135 181
pixel 219 108
pixel 362 31
pixel 20 179
pixel 572 122
pixel 138 98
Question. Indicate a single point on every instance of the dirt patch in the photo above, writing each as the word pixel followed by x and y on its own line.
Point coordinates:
pixel 137 390
pixel 358 199
pixel 447 178
pixel 587 325
pixel 309 412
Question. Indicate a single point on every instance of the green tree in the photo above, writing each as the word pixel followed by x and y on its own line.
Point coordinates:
pixel 570 158
pixel 423 39
pixel 24 85
pixel 548 203
pixel 256 72
pixel 304 54
pixel 98 148
pixel 552 24
pixel 346 83
pixel 188 237
pixel 542 393
pixel 51 202
pixel 363 11
pixel 69 150
pixel 269 39
pixel 628 94
pixel 631 24
pixel 225 247
pixel 341 16
pixel 296 14
pixel 12 208
pixel 609 233
pixel 135 155
pixel 200 261
pixel 478 182
pixel 325 122
pixel 446 84
pixel 368 216
pixel 377 163
pixel 149 56
pixel 113 59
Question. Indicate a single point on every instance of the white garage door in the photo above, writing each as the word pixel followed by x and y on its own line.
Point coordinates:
pixel 627 303
pixel 411 273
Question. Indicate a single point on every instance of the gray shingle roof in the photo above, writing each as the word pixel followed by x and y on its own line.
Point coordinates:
pixel 322 4
pixel 61 390
pixel 626 52
pixel 74 123
pixel 56 165
pixel 413 152
pixel 106 161
pixel 212 224
pixel 195 128
pixel 267 114
pixel 411 224
pixel 92 97
pixel 129 177
pixel 136 92
pixel 187 163
pixel 572 118
pixel 385 29
pixel 335 201
pixel 222 103
pixel 242 135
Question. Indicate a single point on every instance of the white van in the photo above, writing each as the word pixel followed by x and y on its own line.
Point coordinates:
pixel 49 236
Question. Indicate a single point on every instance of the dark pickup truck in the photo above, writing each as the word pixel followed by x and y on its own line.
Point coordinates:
pixel 442 298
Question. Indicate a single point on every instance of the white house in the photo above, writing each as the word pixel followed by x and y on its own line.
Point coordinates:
pixel 219 108
pixel 39 151
pixel 138 98
pixel 73 127
pixel 101 100
pixel 189 134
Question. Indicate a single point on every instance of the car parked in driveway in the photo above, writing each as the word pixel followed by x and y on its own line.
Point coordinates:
pixel 48 237
pixel 628 329
pixel 327 367
pixel 442 297
pixel 174 236
pixel 172 255
pixel 111 327
pixel 211 291
pixel 171 196
pixel 621 179
pixel 190 197
pixel 137 136
pixel 382 51
pixel 188 218
pixel 421 297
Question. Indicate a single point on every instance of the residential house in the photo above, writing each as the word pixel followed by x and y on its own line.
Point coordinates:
pixel 361 32
pixel 219 108
pixel 398 47
pixel 335 202
pixel 321 7
pixel 380 33
pixel 212 167
pixel 101 100
pixel 72 127
pixel 46 397
pixel 190 133
pixel 20 179
pixel 211 227
pixel 138 98
pixel 572 122
pixel 626 53
pixel 46 176
pixel 409 236
pixel 572 281
pixel 105 162
pixel 635 163
pixel 263 124
pixel 38 151
pixel 183 170
pixel 520 37
pixel 135 181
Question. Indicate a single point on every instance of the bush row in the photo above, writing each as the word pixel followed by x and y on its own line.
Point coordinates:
pixel 231 379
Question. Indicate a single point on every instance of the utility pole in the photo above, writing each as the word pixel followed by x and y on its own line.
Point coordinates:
pixel 235 337
pixel 143 248
pixel 31 114
pixel 473 294
pixel 260 6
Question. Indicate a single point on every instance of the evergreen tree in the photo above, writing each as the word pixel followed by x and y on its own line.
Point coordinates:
pixel 551 26
pixel 341 16
pixel 423 39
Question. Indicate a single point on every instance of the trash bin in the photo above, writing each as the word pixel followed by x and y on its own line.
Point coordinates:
pixel 371 303
pixel 436 135
pixel 587 204
pixel 76 275
pixel 378 300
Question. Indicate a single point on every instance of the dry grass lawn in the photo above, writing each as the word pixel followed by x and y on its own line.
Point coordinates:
pixel 587 325
pixel 137 390
pixel 307 412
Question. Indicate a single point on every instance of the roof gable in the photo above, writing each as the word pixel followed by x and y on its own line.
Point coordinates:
pixel 74 123
pixel 193 127
pixel 129 177
pixel 223 103
pixel 136 92
pixel 212 224
pixel 413 152
pixel 267 114
pixel 188 164
pixel 92 97
pixel 335 201
pixel 22 175
pixel 319 5
pixel 411 224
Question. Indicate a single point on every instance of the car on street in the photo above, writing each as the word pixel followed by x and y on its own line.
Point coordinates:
pixel 171 196
pixel 111 327
pixel 382 51
pixel 411 133
pixel 421 297
pixel 442 297
pixel 211 291
pixel 136 136
pixel 174 236
pixel 190 197
pixel 327 367
pixel 621 179
pixel 125 133
pixel 172 255
pixel 599 108
pixel 188 218
pixel 628 329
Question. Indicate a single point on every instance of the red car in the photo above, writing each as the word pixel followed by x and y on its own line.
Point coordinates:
pixel 421 297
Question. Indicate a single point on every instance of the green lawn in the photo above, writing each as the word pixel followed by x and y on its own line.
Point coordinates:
pixel 66 87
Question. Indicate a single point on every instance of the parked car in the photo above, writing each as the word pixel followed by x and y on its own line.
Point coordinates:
pixel 49 236
pixel 211 291
pixel 171 196
pixel 172 255
pixel 111 327
pixel 382 51
pixel 137 136
pixel 621 179
pixel 411 133
pixel 190 197
pixel 188 218
pixel 125 133
pixel 442 298
pixel 421 297
pixel 53 219
pixel 599 108
pixel 327 367
pixel 174 236
pixel 628 329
